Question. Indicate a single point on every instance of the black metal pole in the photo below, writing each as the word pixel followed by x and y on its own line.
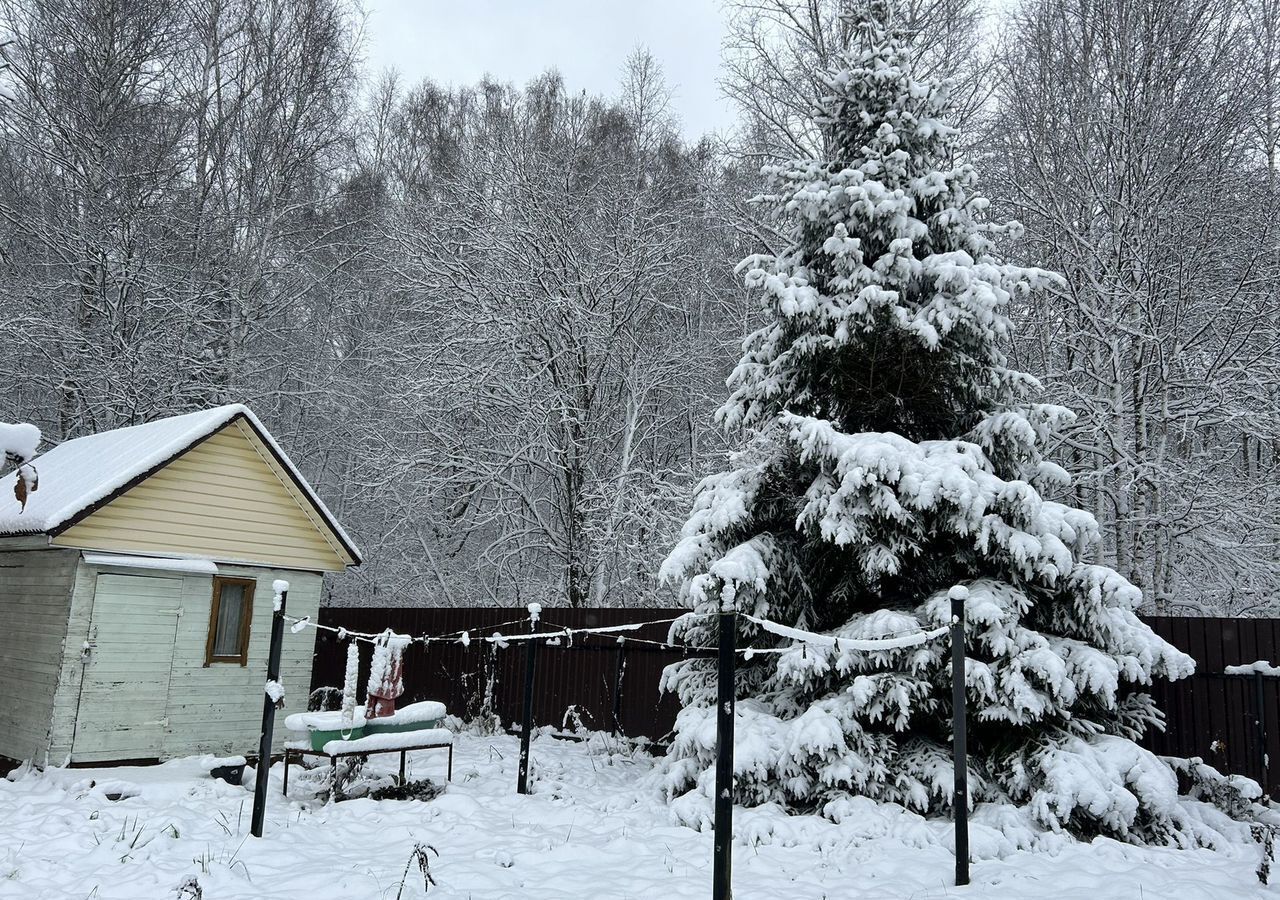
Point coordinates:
pixel 618 675
pixel 526 721
pixel 1259 684
pixel 268 720
pixel 722 877
pixel 960 796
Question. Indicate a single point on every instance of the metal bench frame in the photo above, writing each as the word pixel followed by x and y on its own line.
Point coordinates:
pixel 334 757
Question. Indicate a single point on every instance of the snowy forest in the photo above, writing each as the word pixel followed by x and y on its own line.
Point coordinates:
pixel 493 323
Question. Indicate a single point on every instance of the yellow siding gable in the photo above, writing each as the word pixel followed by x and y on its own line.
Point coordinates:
pixel 226 499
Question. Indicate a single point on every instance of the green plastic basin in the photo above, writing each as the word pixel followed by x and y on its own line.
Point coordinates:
pixel 372 726
pixel 320 738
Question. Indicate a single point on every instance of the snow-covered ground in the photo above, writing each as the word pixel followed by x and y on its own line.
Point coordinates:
pixel 596 827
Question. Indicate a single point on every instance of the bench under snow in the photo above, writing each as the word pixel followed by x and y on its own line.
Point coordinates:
pixel 423 739
pixel 399 740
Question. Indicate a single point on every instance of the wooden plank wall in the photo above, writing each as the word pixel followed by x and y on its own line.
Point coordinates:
pixel 35 593
pixel 215 709
pixel 1208 715
pixel 224 499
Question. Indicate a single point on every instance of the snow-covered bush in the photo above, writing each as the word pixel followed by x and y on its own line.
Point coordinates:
pixel 1236 795
pixel 480 716
pixel 324 699
pixel 18 444
pixel 891 453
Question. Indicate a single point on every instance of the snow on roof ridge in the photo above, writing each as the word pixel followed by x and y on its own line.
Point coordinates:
pixel 79 473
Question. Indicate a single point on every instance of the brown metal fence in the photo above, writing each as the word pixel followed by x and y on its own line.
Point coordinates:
pixel 611 685
pixel 1231 722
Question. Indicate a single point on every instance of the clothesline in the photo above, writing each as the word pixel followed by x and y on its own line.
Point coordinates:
pixel 465 636
pixel 604 629
pixel 892 641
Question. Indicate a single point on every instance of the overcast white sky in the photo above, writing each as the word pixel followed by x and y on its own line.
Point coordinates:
pixel 458 41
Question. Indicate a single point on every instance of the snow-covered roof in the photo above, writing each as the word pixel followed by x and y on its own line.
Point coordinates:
pixel 78 474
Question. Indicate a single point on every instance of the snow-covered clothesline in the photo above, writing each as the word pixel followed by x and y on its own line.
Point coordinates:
pixel 887 642
pixel 894 641
pixel 464 636
pixel 603 629
pixel 298 624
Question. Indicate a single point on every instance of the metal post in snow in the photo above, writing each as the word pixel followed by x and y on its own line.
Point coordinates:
pixel 1260 707
pixel 618 675
pixel 960 795
pixel 722 873
pixel 526 721
pixel 268 714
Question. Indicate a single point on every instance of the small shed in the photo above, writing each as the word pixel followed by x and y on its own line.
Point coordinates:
pixel 135 590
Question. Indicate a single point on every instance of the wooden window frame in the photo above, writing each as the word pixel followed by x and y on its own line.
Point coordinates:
pixel 245 620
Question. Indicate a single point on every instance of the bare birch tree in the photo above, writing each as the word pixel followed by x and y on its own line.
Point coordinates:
pixel 1125 138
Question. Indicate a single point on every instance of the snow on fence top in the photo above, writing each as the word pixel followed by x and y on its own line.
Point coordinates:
pixel 79 473
pixel 1261 667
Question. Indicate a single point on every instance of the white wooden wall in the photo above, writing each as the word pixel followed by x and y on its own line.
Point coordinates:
pixel 133 629
pixel 215 709
pixel 35 595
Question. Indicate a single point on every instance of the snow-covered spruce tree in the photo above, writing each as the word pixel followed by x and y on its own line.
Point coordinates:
pixel 890 454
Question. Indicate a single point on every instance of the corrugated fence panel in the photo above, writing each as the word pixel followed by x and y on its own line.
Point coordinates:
pixel 614 686
pixel 1215 716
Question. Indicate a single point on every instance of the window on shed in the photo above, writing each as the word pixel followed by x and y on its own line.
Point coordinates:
pixel 229 621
